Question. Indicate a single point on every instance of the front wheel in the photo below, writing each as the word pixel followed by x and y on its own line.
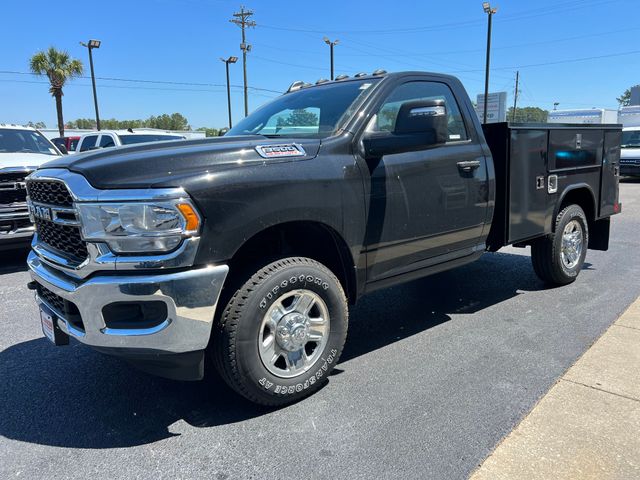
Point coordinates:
pixel 282 332
pixel 558 258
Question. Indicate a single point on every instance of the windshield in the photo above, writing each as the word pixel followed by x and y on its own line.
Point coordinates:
pixel 24 141
pixel 131 139
pixel 631 139
pixel 307 113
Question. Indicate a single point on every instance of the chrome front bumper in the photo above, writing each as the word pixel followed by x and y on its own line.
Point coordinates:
pixel 191 297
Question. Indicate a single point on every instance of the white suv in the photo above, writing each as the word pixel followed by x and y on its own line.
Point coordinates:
pixel 116 138
pixel 22 150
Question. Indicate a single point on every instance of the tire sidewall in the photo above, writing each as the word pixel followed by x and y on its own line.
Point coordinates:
pixel 574 212
pixel 257 378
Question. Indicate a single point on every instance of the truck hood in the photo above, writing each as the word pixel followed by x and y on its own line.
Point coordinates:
pixel 167 163
pixel 20 160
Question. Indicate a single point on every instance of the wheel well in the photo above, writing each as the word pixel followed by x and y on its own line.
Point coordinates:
pixel 304 239
pixel 582 197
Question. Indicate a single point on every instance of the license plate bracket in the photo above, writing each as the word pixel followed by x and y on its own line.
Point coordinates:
pixel 50 328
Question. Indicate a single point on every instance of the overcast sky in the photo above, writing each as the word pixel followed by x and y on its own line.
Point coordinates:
pixel 579 53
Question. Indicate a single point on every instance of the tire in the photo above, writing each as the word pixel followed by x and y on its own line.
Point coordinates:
pixel 553 264
pixel 280 313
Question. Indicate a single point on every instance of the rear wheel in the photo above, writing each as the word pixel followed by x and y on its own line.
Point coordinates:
pixel 558 258
pixel 282 332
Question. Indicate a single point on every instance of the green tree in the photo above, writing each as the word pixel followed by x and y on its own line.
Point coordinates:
pixel 58 67
pixel 37 125
pixel 298 118
pixel 82 124
pixel 209 132
pixel 528 114
pixel 625 99
pixel 175 121
pixel 113 124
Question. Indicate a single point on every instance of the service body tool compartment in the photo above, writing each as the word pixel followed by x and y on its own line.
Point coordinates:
pixel 537 164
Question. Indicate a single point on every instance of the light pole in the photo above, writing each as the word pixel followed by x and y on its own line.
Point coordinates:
pixel 331 45
pixel 90 46
pixel 227 61
pixel 555 105
pixel 489 11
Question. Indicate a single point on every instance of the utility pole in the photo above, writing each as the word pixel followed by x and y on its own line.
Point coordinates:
pixel 515 98
pixel 241 19
pixel 490 12
pixel 331 45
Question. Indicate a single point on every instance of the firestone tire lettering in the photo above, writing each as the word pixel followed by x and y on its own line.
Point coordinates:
pixel 235 349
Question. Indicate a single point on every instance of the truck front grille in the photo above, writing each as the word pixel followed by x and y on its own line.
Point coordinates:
pixel 12 189
pixel 49 192
pixel 65 239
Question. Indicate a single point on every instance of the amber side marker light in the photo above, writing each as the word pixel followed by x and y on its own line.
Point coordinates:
pixel 193 222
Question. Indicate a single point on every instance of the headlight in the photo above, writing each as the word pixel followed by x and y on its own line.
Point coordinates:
pixel 139 227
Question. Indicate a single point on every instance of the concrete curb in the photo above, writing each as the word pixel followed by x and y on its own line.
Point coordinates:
pixel 588 425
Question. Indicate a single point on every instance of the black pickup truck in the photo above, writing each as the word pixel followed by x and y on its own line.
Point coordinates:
pixel 245 251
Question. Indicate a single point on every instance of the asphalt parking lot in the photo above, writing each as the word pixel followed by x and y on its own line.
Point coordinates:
pixel 434 374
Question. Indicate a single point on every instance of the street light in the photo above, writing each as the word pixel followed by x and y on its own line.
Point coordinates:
pixel 489 11
pixel 227 61
pixel 331 45
pixel 90 46
pixel 555 105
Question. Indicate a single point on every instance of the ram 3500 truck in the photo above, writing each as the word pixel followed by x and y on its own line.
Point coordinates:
pixel 245 251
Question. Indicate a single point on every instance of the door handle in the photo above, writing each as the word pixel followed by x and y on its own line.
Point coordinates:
pixel 468 165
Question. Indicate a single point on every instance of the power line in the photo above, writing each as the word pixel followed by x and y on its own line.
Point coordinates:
pixel 505 47
pixel 129 87
pixel 558 7
pixel 558 62
pixel 160 82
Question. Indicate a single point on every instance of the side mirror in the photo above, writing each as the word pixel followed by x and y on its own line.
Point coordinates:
pixel 419 124
pixel 63 149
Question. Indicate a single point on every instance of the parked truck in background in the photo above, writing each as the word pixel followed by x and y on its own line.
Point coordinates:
pixel 22 150
pixel 584 115
pixel 630 155
pixel 117 138
pixel 244 252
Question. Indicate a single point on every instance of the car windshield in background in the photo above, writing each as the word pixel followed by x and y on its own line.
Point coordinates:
pixel 24 141
pixel 315 112
pixel 631 139
pixel 131 139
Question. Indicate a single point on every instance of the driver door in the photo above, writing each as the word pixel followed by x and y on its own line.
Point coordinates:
pixel 423 207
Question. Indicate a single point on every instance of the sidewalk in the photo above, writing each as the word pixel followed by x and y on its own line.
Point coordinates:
pixel 588 425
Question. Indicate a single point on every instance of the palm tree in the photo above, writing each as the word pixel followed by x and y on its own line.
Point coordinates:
pixel 59 67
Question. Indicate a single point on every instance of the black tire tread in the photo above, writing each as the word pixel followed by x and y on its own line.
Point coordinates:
pixel 544 250
pixel 224 354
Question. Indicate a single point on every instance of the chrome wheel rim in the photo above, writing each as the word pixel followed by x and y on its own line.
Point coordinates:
pixel 294 333
pixel 571 249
